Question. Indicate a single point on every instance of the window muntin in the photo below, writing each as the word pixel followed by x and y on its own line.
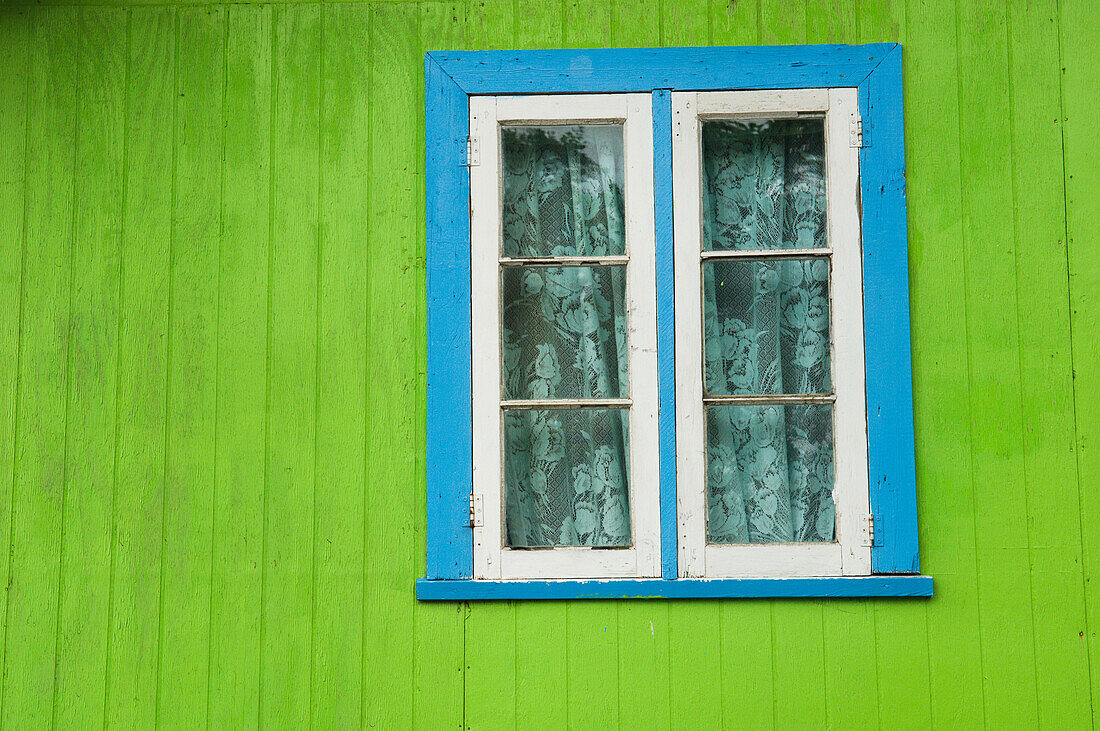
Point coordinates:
pixel 771 433
pixel 564 337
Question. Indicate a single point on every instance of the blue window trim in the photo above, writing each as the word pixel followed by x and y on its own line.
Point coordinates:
pixel 875 69
pixel 828 586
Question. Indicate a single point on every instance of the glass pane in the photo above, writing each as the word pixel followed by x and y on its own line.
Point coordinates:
pixel 770 473
pixel 764 184
pixel 565 477
pixel 563 332
pixel 766 326
pixel 562 190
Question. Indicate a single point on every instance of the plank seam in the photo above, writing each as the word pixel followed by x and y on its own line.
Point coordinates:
pixel 118 368
pixel 1072 350
pixel 969 361
pixel 164 495
pixel 217 367
pixel 68 373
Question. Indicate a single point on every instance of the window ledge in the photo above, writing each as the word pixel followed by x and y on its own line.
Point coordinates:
pixel 913 585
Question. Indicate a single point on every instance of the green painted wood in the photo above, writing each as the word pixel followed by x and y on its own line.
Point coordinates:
pixel 997 479
pixel 392 220
pixel 18 30
pixel 139 507
pixel 192 369
pixel 337 677
pixel 1078 28
pixel 241 427
pixel 289 504
pixel 93 367
pixel 940 362
pixel 39 484
pixel 1046 369
pixel 212 320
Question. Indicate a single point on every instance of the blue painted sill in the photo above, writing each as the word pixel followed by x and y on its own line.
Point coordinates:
pixel 833 586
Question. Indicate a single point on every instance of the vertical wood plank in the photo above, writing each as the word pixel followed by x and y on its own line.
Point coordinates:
pixel 17 29
pixel 1046 369
pixel 734 24
pixel 289 503
pixel 192 369
pixel 390 606
pixel 783 22
pixel 1001 529
pixel 38 488
pixel 490 24
pixel 85 562
pixel 881 21
pixel 940 383
pixel 241 428
pixel 1079 27
pixel 143 361
pixel 341 428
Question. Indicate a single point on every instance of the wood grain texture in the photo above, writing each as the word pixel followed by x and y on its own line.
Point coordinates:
pixel 1078 28
pixel 93 366
pixel 286 631
pixel 212 404
pixel 39 484
pixel 192 368
pixel 18 30
pixel 236 549
pixel 143 357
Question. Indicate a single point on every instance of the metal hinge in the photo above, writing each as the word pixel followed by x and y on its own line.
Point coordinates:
pixel 867 529
pixel 477 513
pixel 855 131
pixel 473 151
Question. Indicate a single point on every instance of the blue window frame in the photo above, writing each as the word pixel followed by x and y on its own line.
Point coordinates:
pixel 876 72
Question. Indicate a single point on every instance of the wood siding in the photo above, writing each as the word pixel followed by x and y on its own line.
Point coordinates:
pixel 212 348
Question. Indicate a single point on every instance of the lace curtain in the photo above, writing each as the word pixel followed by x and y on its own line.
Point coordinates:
pixel 564 336
pixel 766 331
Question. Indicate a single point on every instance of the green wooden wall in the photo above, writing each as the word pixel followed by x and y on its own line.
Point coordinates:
pixel 212 384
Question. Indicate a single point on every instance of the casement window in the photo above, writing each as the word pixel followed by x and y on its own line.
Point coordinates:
pixel 565 337
pixel 668 345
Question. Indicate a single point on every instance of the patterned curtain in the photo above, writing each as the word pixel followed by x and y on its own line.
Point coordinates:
pixel 766 330
pixel 564 337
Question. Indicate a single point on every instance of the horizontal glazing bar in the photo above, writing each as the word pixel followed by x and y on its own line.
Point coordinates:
pixel 575 403
pixel 563 261
pixel 765 254
pixel 775 398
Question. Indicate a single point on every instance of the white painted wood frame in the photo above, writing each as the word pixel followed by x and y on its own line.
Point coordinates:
pixel 850 554
pixel 492 559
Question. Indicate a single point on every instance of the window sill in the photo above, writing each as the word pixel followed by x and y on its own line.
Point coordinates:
pixel 831 586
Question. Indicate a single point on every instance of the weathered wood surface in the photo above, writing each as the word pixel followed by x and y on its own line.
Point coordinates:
pixel 212 370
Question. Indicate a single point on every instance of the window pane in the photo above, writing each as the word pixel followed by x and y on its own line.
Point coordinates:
pixel 764 184
pixel 564 332
pixel 563 190
pixel 565 477
pixel 766 326
pixel 770 473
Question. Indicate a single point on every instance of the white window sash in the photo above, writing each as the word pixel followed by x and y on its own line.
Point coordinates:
pixel 848 555
pixel 492 560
